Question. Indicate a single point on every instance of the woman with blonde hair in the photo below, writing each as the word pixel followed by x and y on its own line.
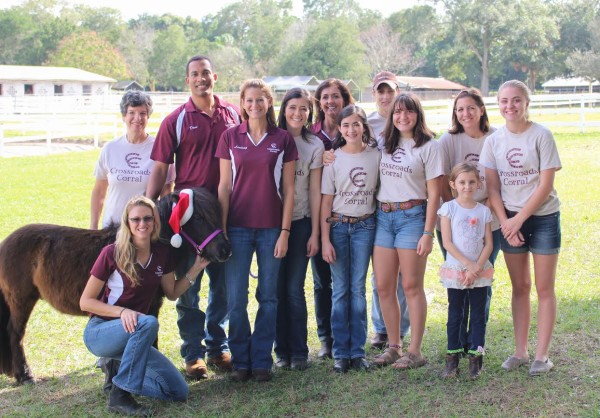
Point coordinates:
pixel 122 285
pixel 256 192
pixel 521 160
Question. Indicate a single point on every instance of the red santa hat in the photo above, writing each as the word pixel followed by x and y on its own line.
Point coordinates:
pixel 182 212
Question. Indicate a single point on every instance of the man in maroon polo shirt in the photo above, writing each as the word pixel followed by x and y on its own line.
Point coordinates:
pixel 189 137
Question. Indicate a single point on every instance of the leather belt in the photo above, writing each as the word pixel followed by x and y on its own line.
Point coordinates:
pixel 394 206
pixel 338 217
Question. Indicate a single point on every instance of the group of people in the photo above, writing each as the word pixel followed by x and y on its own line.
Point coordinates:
pixel 339 192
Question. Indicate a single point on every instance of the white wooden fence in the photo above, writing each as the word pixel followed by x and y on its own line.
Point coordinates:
pixel 48 118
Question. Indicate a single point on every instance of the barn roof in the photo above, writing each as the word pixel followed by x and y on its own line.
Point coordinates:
pixel 428 83
pixel 41 73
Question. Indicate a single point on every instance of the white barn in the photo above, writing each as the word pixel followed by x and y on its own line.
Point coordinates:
pixel 24 80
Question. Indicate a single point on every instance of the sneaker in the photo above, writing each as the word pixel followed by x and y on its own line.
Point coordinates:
pixel 379 341
pixel 299 364
pixel 539 367
pixel 513 363
pixel 282 363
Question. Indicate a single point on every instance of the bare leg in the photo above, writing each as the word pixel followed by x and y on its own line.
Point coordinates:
pixel 520 277
pixel 412 267
pixel 544 267
pixel 385 265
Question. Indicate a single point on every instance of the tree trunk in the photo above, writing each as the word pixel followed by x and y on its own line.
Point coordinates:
pixel 485 76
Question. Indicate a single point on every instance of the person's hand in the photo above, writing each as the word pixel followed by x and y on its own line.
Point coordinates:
pixel 281 246
pixel 312 246
pixel 425 245
pixel 129 319
pixel 328 157
pixel 511 227
pixel 200 262
pixel 328 253
pixel 516 240
pixel 468 279
pixel 474 268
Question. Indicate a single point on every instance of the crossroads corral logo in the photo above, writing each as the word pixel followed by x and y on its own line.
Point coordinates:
pixel 273 148
pixel 472 158
pixel 513 156
pixel 133 160
pixel 397 155
pixel 357 176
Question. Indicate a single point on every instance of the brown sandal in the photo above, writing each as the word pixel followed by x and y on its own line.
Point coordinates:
pixel 409 361
pixel 389 356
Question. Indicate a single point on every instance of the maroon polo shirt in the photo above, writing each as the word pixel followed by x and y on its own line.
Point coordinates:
pixel 257 171
pixel 118 290
pixel 317 129
pixel 191 136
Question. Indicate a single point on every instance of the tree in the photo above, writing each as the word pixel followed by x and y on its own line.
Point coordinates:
pixel 167 60
pixel 88 51
pixel 136 46
pixel 385 50
pixel 481 25
pixel 331 50
pixel 530 43
pixel 105 21
pixel 586 64
pixel 257 26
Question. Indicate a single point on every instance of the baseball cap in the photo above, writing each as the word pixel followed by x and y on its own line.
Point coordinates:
pixel 386 77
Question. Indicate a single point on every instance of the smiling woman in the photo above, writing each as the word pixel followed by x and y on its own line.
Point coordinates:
pixel 124 165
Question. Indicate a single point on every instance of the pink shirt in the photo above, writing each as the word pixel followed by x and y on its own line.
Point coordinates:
pixel 118 290
pixel 256 200
pixel 192 136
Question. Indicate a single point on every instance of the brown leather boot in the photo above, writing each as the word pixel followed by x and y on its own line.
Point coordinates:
pixel 196 369
pixel 475 364
pixel 451 366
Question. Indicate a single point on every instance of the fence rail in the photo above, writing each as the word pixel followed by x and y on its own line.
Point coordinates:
pixel 48 118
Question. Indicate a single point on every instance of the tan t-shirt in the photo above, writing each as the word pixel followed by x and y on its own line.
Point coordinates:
pixel 518 159
pixel 458 148
pixel 353 179
pixel 377 125
pixel 310 155
pixel 404 173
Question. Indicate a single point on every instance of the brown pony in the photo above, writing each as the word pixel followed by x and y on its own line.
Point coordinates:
pixel 53 263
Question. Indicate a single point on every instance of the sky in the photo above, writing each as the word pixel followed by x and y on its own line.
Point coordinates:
pixel 198 9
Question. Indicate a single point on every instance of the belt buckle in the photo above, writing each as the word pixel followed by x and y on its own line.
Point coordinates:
pixel 386 207
pixel 352 220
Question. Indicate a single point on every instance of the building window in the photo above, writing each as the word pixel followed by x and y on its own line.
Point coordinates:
pixel 58 89
pixel 87 89
pixel 29 89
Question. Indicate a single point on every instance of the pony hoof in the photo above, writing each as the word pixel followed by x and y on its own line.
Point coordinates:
pixel 27 380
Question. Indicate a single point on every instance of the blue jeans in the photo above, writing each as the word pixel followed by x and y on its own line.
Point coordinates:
pixel 291 332
pixel 465 332
pixel 541 234
pixel 143 370
pixel 477 301
pixel 322 294
pixel 252 350
pixel 192 321
pixel 353 244
pixel 377 317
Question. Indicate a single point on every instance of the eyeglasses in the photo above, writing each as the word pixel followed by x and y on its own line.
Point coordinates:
pixel 146 219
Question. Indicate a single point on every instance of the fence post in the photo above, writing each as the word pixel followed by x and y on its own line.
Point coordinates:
pixel 582 115
pixel 48 138
pixel 1 140
pixel 96 133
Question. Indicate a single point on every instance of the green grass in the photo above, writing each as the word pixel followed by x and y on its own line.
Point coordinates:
pixel 56 189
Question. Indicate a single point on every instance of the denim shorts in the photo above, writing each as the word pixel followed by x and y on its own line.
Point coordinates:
pixel 400 228
pixel 541 235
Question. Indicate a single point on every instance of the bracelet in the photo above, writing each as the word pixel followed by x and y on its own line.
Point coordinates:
pixel 286 229
pixel 428 233
pixel 121 313
pixel 189 280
